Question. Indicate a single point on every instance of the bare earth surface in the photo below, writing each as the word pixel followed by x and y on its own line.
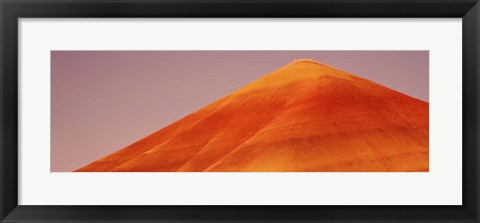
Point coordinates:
pixel 303 117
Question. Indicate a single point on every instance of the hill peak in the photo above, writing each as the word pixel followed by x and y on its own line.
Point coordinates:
pixel 313 62
pixel 310 61
pixel 307 61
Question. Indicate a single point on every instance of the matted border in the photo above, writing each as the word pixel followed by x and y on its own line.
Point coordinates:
pixel 39 36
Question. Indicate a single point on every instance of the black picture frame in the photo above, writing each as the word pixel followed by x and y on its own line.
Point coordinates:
pixel 12 10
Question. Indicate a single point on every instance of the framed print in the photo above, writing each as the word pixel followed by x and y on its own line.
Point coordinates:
pixel 228 111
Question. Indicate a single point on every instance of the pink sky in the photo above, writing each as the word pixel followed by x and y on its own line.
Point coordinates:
pixel 103 101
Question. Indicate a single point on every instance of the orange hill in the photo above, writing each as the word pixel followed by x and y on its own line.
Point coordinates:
pixel 305 116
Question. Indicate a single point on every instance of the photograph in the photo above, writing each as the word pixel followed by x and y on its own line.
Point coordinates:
pixel 239 111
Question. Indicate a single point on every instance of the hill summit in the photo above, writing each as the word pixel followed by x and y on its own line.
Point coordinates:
pixel 303 117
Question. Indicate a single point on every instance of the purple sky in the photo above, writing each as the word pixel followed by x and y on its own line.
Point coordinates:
pixel 104 100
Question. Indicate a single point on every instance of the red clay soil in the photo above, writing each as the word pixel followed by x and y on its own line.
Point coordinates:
pixel 305 117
